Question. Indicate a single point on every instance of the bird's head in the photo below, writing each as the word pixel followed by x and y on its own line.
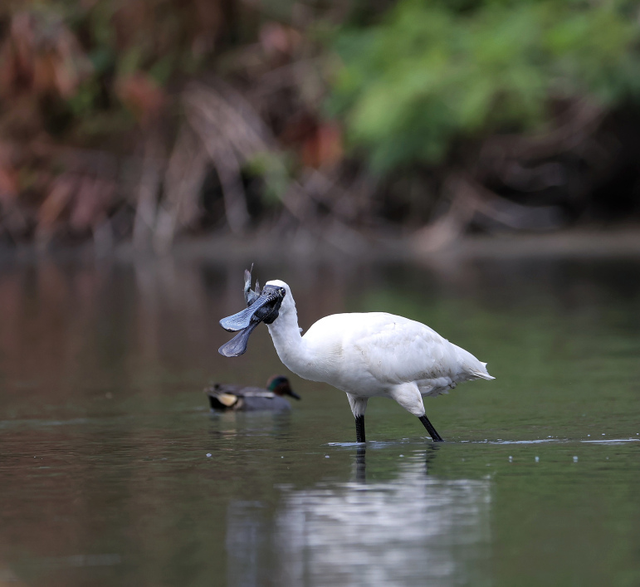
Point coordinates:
pixel 280 385
pixel 263 307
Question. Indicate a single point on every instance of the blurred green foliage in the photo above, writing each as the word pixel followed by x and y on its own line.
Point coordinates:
pixel 430 72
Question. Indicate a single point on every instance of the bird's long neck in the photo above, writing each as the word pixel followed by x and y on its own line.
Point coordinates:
pixel 289 344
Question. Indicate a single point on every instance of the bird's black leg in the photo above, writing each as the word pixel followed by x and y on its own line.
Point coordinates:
pixel 430 429
pixel 360 428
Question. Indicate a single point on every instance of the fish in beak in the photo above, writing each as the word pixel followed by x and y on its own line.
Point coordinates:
pixel 250 295
pixel 263 308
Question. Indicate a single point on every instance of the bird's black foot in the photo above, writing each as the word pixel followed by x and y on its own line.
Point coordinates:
pixel 430 429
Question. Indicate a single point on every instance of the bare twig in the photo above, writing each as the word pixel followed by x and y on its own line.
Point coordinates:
pixel 231 134
pixel 469 201
pixel 147 195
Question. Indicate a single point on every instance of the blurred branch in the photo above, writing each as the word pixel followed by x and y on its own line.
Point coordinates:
pixel 147 193
pixel 580 120
pixel 471 201
pixel 232 134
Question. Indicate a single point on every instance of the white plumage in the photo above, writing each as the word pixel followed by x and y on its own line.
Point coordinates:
pixel 363 354
pixel 372 354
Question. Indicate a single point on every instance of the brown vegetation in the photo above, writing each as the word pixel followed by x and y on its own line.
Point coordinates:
pixel 150 119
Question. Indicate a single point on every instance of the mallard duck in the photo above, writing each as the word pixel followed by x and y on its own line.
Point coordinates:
pixel 363 354
pixel 236 398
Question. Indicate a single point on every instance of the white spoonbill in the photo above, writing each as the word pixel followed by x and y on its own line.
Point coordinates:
pixel 363 354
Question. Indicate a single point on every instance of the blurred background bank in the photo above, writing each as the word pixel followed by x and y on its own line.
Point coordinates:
pixel 349 123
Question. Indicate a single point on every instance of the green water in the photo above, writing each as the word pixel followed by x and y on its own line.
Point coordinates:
pixel 113 472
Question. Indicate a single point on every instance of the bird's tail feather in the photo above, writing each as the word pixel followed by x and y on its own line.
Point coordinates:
pixel 482 374
pixel 471 366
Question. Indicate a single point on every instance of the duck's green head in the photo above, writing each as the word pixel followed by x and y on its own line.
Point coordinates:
pixel 279 385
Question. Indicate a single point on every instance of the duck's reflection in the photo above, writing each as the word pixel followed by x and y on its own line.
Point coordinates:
pixel 276 424
pixel 415 529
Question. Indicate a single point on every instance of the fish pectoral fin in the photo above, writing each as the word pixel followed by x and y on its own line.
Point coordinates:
pixel 227 399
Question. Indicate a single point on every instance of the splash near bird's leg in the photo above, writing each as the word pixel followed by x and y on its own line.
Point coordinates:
pixel 430 429
pixel 360 437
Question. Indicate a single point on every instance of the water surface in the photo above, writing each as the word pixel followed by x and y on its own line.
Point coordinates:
pixel 114 472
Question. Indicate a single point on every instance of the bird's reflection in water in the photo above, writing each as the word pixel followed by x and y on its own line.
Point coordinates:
pixel 413 529
pixel 360 463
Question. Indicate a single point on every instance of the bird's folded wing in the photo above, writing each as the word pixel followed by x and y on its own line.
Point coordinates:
pixel 404 351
